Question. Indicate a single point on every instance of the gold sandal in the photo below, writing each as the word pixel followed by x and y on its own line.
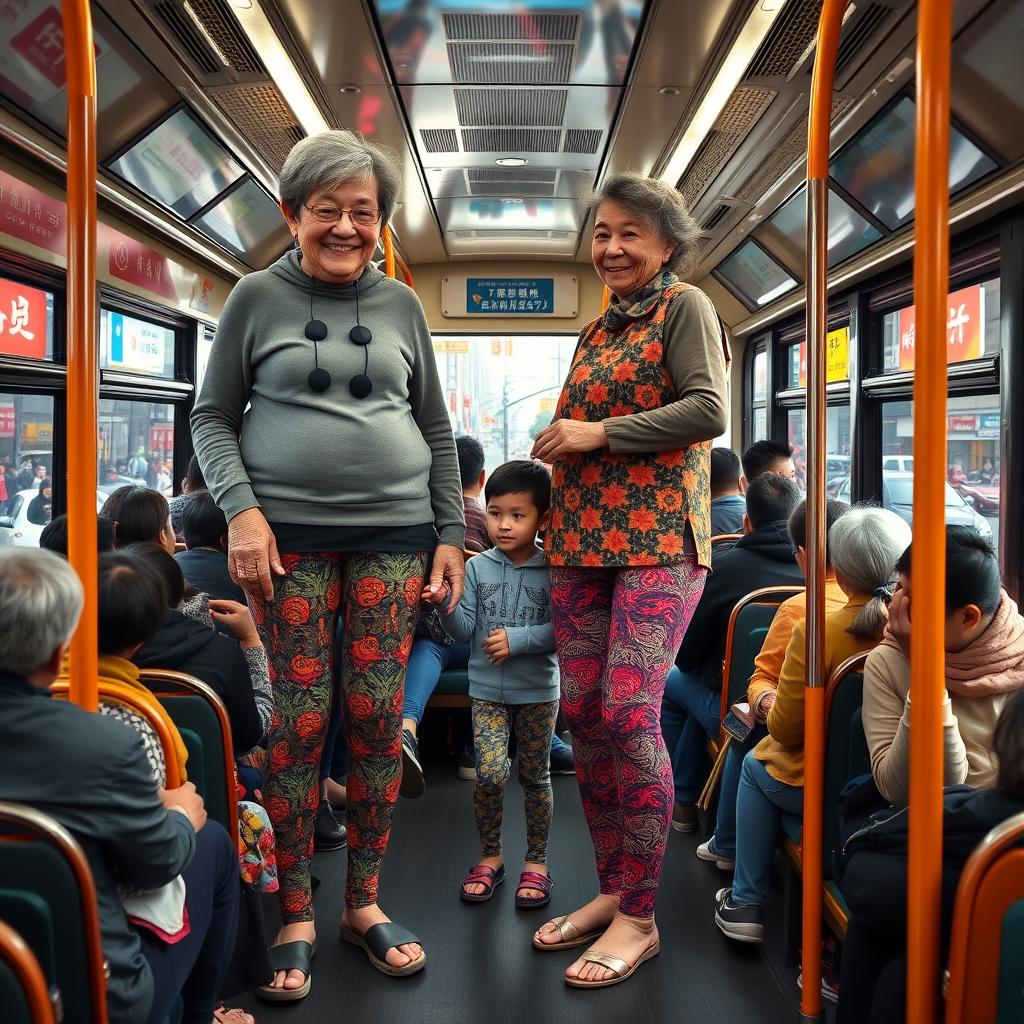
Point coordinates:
pixel 612 963
pixel 571 937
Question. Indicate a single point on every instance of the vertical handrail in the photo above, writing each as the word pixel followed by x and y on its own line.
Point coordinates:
pixel 83 393
pixel 389 252
pixel 927 657
pixel 606 297
pixel 818 150
pixel 404 268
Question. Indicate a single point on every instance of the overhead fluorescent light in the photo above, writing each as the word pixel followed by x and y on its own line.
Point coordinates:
pixel 256 25
pixel 511 161
pixel 730 74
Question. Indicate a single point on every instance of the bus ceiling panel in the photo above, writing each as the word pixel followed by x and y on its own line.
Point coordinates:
pixel 510 216
pixel 524 245
pixel 509 42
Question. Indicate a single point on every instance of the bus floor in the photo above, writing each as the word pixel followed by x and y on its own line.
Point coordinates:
pixel 481 967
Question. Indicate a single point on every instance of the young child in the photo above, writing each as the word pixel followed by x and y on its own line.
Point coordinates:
pixel 505 616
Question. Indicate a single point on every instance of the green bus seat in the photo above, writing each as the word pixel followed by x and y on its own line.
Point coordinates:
pixel 25 995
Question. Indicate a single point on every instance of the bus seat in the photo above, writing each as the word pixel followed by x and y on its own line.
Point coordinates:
pixel 195 708
pixel 196 759
pixel 987 945
pixel 116 693
pixel 39 857
pixel 452 690
pixel 24 993
pixel 724 541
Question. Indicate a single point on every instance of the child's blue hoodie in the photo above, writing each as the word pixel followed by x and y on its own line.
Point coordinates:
pixel 499 594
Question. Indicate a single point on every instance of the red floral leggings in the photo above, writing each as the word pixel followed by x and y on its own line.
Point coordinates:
pixel 379 597
pixel 617 632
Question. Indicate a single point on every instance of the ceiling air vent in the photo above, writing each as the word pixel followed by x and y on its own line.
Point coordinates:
pixel 440 140
pixel 536 63
pixel 853 40
pixel 510 140
pixel 717 215
pixel 261 115
pixel 788 42
pixel 507 107
pixel 740 114
pixel 219 28
pixel 555 27
pixel 582 140
pixel 512 174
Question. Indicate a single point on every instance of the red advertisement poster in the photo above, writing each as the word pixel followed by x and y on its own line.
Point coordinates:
pixel 32 216
pixel 7 420
pixel 137 264
pixel 22 320
pixel 964 328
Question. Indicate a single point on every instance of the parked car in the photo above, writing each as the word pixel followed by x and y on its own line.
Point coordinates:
pixel 898 463
pixel 15 529
pixel 898 495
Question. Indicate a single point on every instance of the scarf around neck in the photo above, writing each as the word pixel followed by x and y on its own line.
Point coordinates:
pixel 993 663
pixel 641 303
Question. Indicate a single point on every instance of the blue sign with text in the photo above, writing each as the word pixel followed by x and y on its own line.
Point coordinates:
pixel 508 296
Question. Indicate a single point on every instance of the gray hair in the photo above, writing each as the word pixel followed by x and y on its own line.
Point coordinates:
pixel 335 158
pixel 658 205
pixel 40 603
pixel 864 546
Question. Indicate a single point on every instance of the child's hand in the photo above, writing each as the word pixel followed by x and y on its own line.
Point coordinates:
pixel 496 646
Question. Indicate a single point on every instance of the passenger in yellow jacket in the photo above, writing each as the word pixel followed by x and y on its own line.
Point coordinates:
pixel 864 546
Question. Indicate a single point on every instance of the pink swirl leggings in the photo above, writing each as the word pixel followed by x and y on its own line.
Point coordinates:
pixel 617 632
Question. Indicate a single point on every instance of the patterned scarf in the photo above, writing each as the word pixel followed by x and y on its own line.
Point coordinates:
pixel 641 303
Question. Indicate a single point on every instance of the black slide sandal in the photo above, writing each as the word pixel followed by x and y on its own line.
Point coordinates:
pixel 376 942
pixel 289 956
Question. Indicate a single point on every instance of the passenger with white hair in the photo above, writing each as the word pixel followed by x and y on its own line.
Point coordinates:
pixel 323 435
pixel 864 546
pixel 90 773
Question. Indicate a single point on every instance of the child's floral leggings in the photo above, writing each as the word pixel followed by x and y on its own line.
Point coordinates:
pixel 492 725
pixel 617 632
pixel 379 597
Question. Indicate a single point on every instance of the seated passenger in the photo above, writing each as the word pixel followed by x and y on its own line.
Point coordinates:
pixel 205 563
pixel 871 871
pixel 984 641
pixel 728 506
pixel 865 544
pixel 193 484
pixel 138 513
pixel 186 645
pixel 691 705
pixel 763 687
pixel 768 457
pixel 55 535
pixel 90 773
pixel 471 472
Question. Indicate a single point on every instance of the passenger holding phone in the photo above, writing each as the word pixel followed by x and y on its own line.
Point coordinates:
pixel 864 546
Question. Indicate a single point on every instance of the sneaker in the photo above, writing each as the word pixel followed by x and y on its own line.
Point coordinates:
pixel 562 761
pixel 412 771
pixel 829 983
pixel 739 921
pixel 329 833
pixel 704 852
pixel 684 817
pixel 467 765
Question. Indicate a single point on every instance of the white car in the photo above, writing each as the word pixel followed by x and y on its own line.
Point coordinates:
pixel 16 530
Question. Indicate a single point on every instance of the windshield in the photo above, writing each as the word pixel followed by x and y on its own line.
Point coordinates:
pixel 901 492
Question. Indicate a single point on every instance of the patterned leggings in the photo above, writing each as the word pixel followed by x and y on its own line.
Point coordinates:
pixel 617 632
pixel 379 595
pixel 533 725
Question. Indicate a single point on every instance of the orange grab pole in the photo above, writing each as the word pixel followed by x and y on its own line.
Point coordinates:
pixel 83 374
pixel 927 657
pixel 606 297
pixel 818 139
pixel 389 253
pixel 404 268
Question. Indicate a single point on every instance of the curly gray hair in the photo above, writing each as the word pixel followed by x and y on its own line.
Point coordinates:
pixel 661 207
pixel 334 158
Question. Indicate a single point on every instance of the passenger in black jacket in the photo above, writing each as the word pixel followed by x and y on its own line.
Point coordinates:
pixel 871 870
pixel 186 645
pixel 89 772
pixel 690 709
pixel 205 563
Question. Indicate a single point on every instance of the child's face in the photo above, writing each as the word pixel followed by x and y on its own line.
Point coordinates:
pixel 513 521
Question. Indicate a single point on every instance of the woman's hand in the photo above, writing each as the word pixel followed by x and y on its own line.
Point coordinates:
pixel 446 576
pixel 237 617
pixel 566 436
pixel 899 620
pixel 252 554
pixel 764 705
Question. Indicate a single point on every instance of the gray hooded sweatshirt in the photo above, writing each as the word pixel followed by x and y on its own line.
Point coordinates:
pixel 499 594
pixel 266 440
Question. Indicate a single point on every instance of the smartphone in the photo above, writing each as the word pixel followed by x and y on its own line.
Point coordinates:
pixel 739 722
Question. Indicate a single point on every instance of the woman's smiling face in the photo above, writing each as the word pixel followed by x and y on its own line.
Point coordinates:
pixel 627 252
pixel 336 252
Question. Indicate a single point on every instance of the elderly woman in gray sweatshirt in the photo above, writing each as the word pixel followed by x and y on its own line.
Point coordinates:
pixel 323 435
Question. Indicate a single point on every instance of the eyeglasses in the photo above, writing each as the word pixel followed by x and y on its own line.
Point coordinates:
pixel 361 216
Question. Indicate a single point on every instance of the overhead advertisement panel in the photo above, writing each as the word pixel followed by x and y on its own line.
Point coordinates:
pixel 554 296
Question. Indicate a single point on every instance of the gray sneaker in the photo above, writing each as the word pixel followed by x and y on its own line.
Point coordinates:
pixel 467 764
pixel 739 921
pixel 706 853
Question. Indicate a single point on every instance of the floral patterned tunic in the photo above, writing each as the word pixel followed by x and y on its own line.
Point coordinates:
pixel 612 509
